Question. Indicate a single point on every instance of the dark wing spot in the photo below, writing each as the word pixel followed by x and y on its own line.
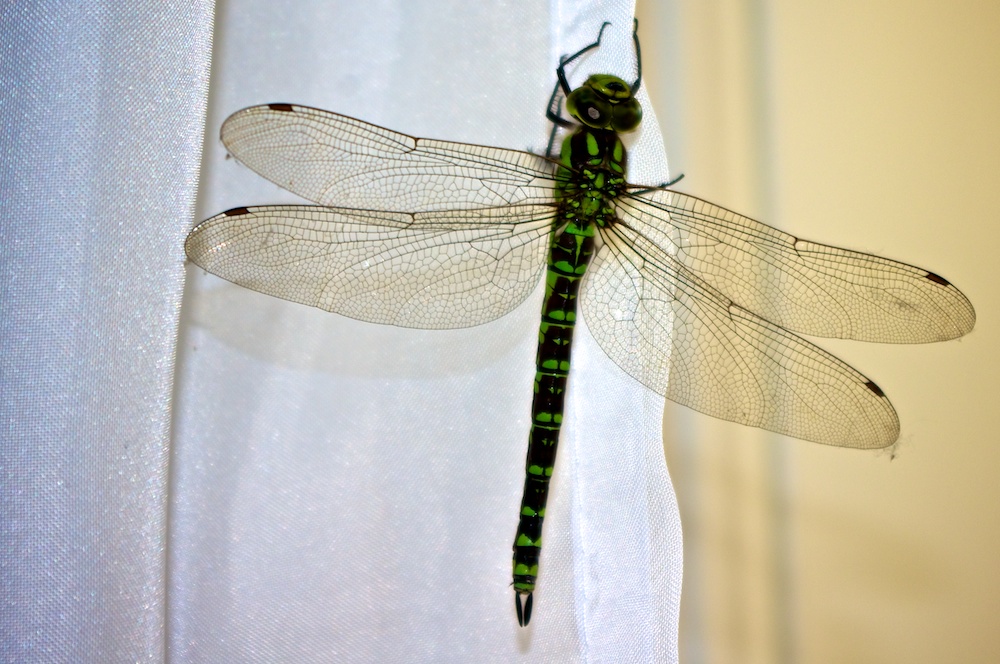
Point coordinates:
pixel 875 388
pixel 938 280
pixel 235 212
pixel 287 108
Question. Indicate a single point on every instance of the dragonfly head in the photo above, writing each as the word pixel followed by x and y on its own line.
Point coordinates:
pixel 605 102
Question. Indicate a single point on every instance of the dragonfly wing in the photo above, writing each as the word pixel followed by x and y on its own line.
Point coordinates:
pixel 336 160
pixel 436 270
pixel 802 286
pixel 681 337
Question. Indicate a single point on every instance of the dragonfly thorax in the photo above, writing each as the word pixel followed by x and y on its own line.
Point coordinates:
pixel 605 102
pixel 591 175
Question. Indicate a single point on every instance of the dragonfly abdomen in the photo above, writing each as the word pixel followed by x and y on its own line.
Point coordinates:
pixel 590 176
pixel 569 255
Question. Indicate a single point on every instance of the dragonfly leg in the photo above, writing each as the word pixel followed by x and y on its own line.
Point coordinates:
pixel 638 57
pixel 562 89
pixel 662 185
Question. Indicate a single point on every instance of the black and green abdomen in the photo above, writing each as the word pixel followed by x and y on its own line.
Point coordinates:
pixel 591 176
pixel 568 258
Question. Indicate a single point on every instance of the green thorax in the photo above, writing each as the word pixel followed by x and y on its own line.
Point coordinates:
pixel 592 161
pixel 590 176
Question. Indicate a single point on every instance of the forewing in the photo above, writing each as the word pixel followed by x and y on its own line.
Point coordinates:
pixel 336 160
pixel 802 286
pixel 435 271
pixel 679 336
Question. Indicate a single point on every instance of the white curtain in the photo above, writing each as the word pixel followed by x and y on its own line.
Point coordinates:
pixel 103 113
pixel 297 486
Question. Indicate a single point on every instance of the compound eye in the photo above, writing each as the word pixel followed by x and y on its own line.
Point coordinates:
pixel 627 116
pixel 586 105
pixel 610 87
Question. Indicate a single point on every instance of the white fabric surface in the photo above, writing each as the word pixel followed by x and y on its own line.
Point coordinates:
pixel 339 491
pixel 103 110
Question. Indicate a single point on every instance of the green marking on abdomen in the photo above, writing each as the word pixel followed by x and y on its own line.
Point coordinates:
pixel 586 183
pixel 568 258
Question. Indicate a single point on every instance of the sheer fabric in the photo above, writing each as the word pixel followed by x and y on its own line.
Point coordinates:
pixel 337 491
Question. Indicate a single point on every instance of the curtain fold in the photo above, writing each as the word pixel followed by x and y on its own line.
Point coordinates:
pixel 297 486
pixel 104 109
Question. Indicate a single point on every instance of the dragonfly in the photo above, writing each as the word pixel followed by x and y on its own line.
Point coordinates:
pixel 701 304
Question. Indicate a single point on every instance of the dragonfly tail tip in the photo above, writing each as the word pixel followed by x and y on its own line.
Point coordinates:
pixel 523 615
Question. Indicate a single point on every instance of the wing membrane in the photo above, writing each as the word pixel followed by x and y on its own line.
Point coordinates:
pixel 335 160
pixel 691 299
pixel 681 337
pixel 435 271
pixel 802 286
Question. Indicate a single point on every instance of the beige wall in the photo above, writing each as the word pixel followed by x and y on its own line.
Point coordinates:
pixel 876 126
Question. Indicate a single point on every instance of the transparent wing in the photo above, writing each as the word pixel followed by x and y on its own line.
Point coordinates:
pixel 335 160
pixel 802 286
pixel 439 270
pixel 683 338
